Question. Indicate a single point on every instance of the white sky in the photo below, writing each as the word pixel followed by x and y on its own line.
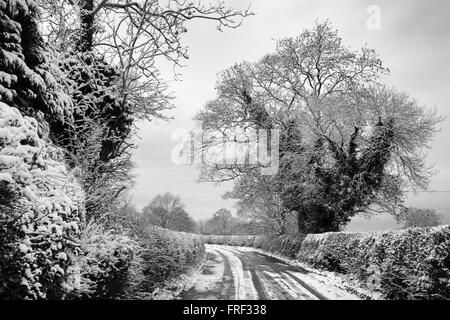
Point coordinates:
pixel 413 41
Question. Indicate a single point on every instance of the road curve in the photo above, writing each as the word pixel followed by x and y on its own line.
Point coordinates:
pixel 235 273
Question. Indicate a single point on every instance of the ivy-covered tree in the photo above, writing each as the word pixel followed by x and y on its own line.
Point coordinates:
pixel 97 136
pixel 348 144
pixel 27 79
pixel 350 185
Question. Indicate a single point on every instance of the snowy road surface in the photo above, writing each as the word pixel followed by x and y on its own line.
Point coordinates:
pixel 236 273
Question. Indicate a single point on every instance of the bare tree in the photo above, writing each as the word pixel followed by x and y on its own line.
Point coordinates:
pixel 224 219
pixel 414 217
pixel 167 211
pixel 221 223
pixel 260 204
pixel 134 36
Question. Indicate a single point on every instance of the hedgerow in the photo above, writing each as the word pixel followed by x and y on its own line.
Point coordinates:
pixel 164 255
pixel 402 264
pixel 103 265
pixel 46 249
pixel 241 241
pixel 285 245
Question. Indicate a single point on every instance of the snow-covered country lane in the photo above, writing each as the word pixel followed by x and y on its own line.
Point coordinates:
pixel 236 273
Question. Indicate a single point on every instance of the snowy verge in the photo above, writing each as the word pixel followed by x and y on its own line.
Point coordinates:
pixel 174 288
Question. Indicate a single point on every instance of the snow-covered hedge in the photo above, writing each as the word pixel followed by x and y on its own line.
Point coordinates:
pixel 40 220
pixel 104 263
pixel 402 264
pixel 165 254
pixel 241 241
pixel 285 245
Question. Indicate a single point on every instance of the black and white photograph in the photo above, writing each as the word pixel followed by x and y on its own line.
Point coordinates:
pixel 224 151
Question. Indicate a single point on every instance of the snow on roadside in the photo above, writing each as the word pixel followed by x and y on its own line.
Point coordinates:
pixel 291 287
pixel 322 284
pixel 174 288
pixel 204 282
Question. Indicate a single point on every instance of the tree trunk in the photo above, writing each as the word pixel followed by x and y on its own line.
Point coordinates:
pixel 316 219
pixel 87 29
pixel 282 224
pixel 301 221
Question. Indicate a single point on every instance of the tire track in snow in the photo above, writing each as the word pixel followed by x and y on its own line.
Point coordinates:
pixel 273 292
pixel 271 277
pixel 248 275
pixel 244 287
pixel 270 282
pixel 228 286
pixel 283 287
pixel 265 280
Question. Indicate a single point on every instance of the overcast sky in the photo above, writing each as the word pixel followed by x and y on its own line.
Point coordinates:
pixel 413 41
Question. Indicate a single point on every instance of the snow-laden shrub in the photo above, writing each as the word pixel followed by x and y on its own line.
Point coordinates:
pixel 103 263
pixel 401 264
pixel 39 232
pixel 311 250
pixel 165 254
pixel 286 245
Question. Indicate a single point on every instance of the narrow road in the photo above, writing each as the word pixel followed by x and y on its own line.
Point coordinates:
pixel 236 273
